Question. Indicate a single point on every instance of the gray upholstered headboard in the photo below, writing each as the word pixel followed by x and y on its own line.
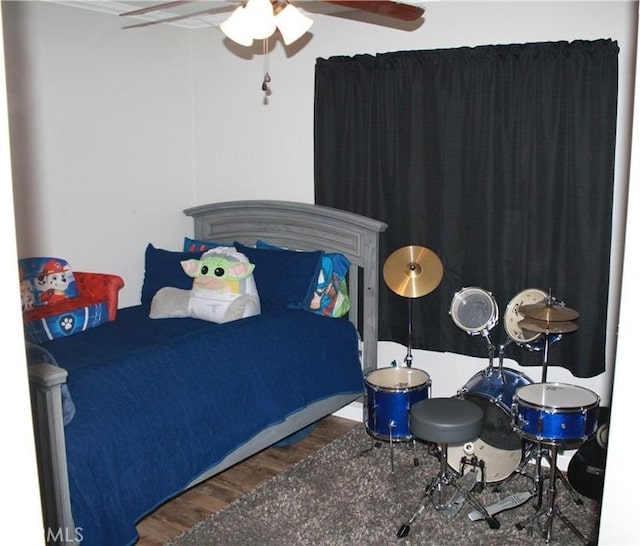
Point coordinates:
pixel 304 226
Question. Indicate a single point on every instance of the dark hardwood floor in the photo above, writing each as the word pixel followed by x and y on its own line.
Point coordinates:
pixel 179 514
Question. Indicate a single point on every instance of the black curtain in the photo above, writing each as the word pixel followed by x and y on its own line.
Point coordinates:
pixel 500 159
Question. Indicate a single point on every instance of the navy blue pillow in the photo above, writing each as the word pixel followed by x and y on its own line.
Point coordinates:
pixel 162 268
pixel 284 278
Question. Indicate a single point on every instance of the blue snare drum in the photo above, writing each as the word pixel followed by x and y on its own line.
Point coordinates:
pixel 391 392
pixel 555 413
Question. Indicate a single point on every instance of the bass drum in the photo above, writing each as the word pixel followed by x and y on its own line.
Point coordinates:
pixel 499 447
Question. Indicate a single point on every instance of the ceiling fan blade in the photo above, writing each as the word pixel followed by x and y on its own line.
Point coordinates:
pixel 155 7
pixel 176 18
pixel 386 8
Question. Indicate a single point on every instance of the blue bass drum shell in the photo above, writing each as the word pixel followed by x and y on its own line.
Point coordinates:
pixel 493 390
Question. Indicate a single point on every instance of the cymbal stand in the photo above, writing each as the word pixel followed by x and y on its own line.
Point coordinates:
pixel 551 510
pixel 545 358
pixel 409 358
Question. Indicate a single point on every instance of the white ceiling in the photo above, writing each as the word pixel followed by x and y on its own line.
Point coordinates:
pixel 207 13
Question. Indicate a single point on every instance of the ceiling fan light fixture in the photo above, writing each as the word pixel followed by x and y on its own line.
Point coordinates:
pixel 292 23
pixel 238 28
pixel 260 18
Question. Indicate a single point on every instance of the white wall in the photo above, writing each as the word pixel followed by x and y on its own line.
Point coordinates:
pixel 617 515
pixel 115 132
pixel 102 133
pixel 20 518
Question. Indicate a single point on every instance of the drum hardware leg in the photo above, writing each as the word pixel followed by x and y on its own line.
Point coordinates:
pixel 538 480
pixel 501 349
pixel 416 461
pixel 374 443
pixel 391 446
pixel 392 425
pixel 435 492
pixel 534 452
pixel 491 349
pixel 551 510
pixel 574 494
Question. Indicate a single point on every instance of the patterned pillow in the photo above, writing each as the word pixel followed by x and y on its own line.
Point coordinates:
pixel 331 295
pixel 45 281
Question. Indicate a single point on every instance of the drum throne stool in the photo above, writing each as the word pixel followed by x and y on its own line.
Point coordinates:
pixel 443 421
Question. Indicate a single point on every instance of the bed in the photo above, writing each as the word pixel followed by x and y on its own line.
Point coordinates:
pixel 161 405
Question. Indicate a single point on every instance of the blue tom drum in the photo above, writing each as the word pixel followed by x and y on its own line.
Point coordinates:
pixel 391 392
pixel 555 413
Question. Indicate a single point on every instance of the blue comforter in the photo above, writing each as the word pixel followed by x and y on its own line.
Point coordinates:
pixel 158 402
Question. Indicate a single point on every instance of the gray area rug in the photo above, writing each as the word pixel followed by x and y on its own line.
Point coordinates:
pixel 339 496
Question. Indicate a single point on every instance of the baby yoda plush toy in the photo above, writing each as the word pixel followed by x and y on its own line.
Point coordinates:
pixel 223 289
pixel 223 286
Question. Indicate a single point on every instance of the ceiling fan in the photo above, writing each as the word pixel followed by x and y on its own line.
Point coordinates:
pixel 283 15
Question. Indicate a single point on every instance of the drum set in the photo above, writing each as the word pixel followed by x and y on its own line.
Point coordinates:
pixel 524 421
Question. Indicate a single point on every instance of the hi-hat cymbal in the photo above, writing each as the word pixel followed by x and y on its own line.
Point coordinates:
pixel 546 327
pixel 548 312
pixel 412 271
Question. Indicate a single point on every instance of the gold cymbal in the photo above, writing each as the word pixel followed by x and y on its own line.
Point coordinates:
pixel 546 327
pixel 412 271
pixel 548 312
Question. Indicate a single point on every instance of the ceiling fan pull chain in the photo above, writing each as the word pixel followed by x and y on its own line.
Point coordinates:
pixel 267 78
pixel 265 82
